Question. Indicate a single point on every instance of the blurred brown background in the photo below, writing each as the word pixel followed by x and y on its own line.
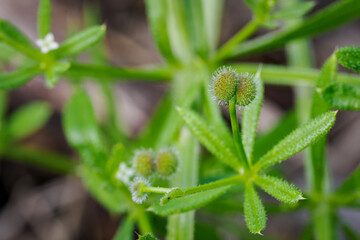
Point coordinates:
pixel 36 204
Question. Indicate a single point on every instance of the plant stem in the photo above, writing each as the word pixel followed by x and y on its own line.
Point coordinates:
pixel 221 183
pixel 160 190
pixel 236 133
pixel 240 36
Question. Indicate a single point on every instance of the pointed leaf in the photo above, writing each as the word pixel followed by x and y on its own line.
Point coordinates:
pixel 17 78
pixel 298 140
pixel 28 119
pixel 349 57
pixel 189 202
pixel 208 136
pixel 279 188
pixel 250 118
pixel 81 41
pixel 126 230
pixel 293 11
pixel 44 18
pixel 343 96
pixel 255 215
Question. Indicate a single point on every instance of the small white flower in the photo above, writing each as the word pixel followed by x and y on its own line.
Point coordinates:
pixel 47 43
pixel 124 173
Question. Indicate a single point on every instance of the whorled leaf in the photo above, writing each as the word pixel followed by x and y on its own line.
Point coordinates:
pixel 349 57
pixel 208 136
pixel 279 188
pixel 343 96
pixel 44 18
pixel 189 202
pixel 18 77
pixel 298 140
pixel 254 210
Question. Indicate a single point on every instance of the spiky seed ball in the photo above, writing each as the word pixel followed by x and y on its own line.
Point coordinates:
pixel 143 162
pixel 246 91
pixel 225 82
pixel 166 162
pixel 135 188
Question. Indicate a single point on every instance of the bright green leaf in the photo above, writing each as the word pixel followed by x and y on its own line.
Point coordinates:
pixel 52 74
pixel 343 96
pixel 279 188
pixel 298 140
pixel 255 215
pixel 118 155
pixel 172 194
pixel 44 18
pixel 28 119
pixel 250 117
pixel 147 236
pixel 349 57
pixel 19 77
pixel 126 230
pixel 293 11
pixel 208 136
pixel 81 41
pixel 189 202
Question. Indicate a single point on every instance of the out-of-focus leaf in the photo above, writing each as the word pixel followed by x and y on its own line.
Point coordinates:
pixel 81 41
pixel 126 230
pixel 208 136
pixel 293 11
pixel 18 77
pixel 343 96
pixel 255 215
pixel 147 236
pixel 14 38
pixel 349 57
pixel 250 118
pixel 189 202
pixel 28 119
pixel 279 188
pixel 298 140
pixel 82 130
pixel 44 18
pixel 118 155
pixel 52 74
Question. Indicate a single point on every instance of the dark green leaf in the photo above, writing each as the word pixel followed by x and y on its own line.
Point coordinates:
pixel 279 188
pixel 343 96
pixel 189 202
pixel 349 57
pixel 126 230
pixel 44 18
pixel 255 215
pixel 28 119
pixel 17 78
pixel 81 41
pixel 298 140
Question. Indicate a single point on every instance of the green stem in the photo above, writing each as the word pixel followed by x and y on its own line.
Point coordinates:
pixel 221 183
pixel 143 221
pixel 236 133
pixel 160 190
pixel 239 37
pixel 44 159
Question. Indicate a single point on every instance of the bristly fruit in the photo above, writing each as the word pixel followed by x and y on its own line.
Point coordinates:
pixel 135 188
pixel 246 91
pixel 224 84
pixel 143 162
pixel 166 162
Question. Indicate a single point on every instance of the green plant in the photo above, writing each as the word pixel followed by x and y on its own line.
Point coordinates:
pixel 186 34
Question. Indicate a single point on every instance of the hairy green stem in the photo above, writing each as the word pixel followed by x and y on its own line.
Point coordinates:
pixel 221 183
pixel 236 133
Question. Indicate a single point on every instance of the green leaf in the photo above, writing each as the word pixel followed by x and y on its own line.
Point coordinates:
pixel 279 188
pixel 343 96
pixel 255 215
pixel 250 117
pixel 118 155
pixel 17 40
pixel 52 73
pixel 113 198
pixel 331 17
pixel 298 140
pixel 349 232
pixel 44 18
pixel 172 194
pixel 82 131
pixel 349 57
pixel 351 184
pixel 157 11
pixel 147 236
pixel 293 11
pixel 126 230
pixel 17 78
pixel 28 119
pixel 81 41
pixel 189 202
pixel 208 136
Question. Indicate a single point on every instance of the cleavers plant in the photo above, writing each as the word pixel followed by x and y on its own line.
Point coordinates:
pixel 163 171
